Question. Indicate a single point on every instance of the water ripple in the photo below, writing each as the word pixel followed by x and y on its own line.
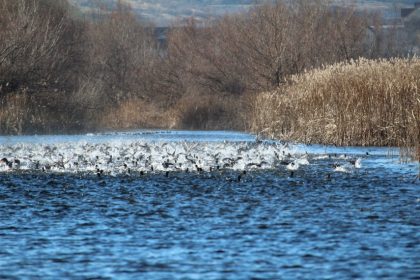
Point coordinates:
pixel 273 223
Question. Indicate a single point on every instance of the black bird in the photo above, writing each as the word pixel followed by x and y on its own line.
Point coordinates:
pixel 335 165
pixel 285 162
pixel 167 164
pixel 7 162
pixel 240 176
pixel 217 168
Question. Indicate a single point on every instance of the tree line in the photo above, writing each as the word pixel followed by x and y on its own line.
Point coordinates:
pixel 62 70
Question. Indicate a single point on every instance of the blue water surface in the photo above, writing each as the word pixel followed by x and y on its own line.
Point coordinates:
pixel 140 135
pixel 312 223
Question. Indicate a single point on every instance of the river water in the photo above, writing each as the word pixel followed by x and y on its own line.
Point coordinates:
pixel 204 205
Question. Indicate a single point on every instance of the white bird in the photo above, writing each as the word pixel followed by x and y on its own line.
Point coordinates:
pixel 5 165
pixel 292 166
pixel 340 168
pixel 358 163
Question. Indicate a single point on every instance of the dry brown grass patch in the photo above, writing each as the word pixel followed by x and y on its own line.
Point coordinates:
pixel 363 102
pixel 23 113
pixel 136 113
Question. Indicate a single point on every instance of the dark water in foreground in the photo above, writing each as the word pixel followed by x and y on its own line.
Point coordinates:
pixel 363 224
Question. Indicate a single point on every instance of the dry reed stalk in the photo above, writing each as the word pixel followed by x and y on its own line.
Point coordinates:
pixel 362 102
pixel 18 113
pixel 135 113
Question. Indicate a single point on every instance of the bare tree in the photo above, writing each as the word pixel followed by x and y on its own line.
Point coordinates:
pixel 123 54
pixel 257 51
pixel 36 49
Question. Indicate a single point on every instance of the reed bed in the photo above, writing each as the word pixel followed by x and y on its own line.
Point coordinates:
pixel 202 112
pixel 43 113
pixel 361 102
pixel 134 113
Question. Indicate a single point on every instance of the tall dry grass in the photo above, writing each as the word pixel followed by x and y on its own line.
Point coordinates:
pixel 23 113
pixel 46 113
pixel 135 113
pixel 362 102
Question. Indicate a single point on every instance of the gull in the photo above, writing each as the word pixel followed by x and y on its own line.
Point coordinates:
pixel 339 168
pixel 8 165
pixel 357 163
pixel 5 164
pixel 292 166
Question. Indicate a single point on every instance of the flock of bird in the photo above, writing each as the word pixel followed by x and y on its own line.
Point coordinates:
pixel 140 157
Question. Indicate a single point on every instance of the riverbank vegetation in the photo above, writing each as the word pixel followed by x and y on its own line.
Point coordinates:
pixel 65 71
pixel 361 102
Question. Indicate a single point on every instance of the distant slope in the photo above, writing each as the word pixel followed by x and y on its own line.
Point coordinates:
pixel 162 12
pixel 390 8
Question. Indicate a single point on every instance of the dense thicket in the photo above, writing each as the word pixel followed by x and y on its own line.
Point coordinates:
pixel 63 71
pixel 361 102
pixel 41 52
